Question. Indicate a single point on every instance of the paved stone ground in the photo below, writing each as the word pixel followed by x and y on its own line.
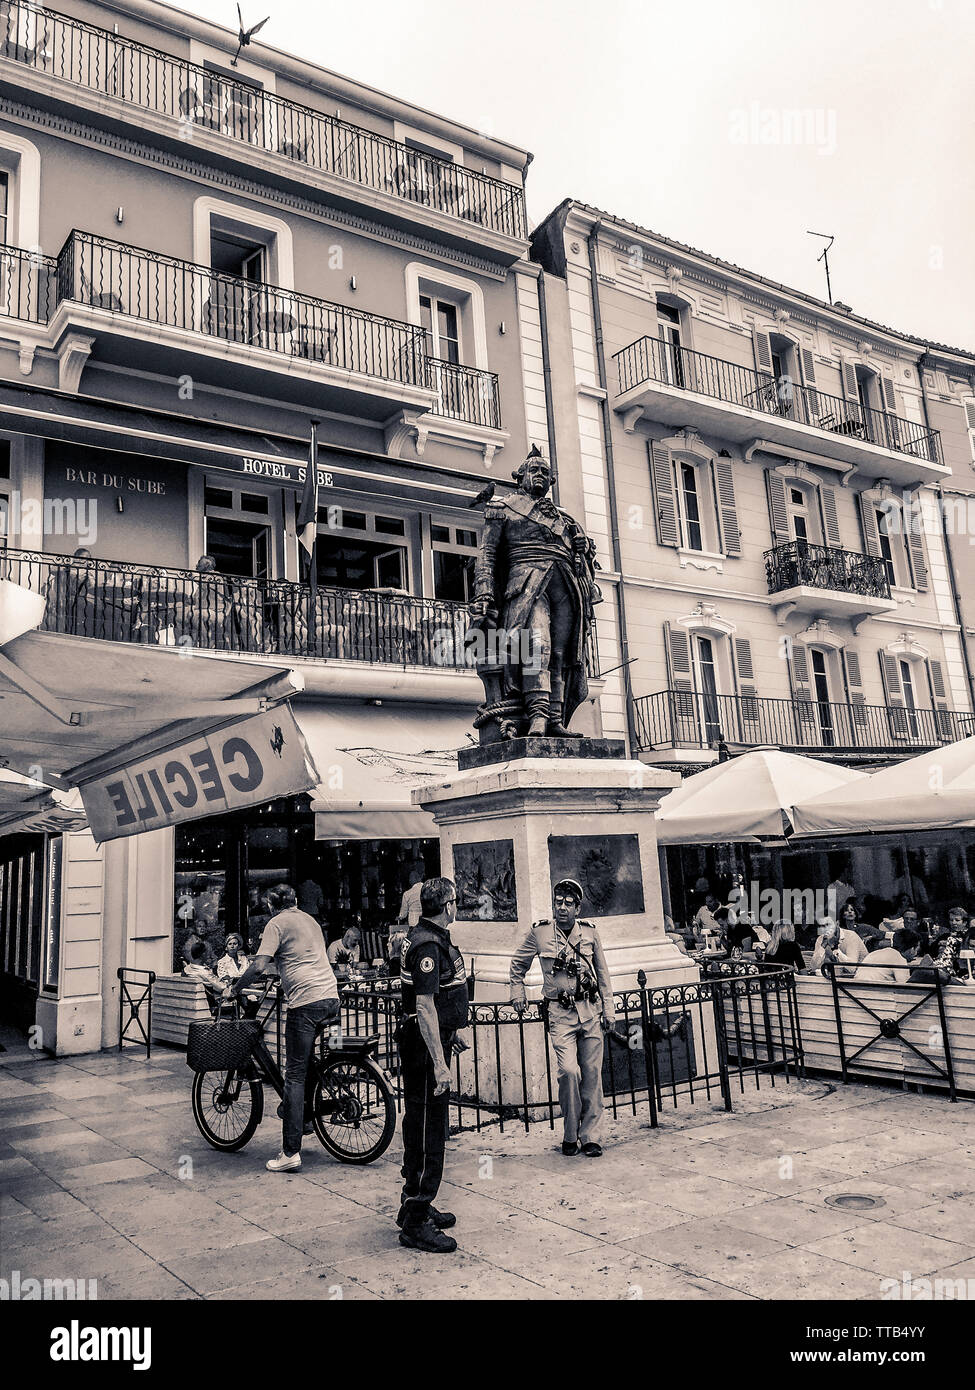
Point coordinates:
pixel 711 1206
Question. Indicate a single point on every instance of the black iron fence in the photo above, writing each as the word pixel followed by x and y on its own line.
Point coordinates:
pixel 652 359
pixel 193 97
pixel 135 1007
pixel 120 602
pixel 698 719
pixel 695 1043
pixel 161 289
pixel 465 393
pixel 28 284
pixel 825 567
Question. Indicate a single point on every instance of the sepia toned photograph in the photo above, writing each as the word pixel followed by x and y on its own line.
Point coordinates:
pixel 487 638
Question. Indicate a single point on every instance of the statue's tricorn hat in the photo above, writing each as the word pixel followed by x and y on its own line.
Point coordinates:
pixel 533 453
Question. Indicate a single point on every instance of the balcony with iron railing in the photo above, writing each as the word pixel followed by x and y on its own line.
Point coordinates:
pixel 114 601
pixel 120 602
pixel 79 64
pixel 694 720
pixel 825 580
pixel 674 385
pixel 377 362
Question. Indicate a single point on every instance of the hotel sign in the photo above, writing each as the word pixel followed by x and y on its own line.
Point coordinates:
pixel 275 471
pixel 244 764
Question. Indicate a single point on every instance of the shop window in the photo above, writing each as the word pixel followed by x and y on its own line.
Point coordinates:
pixel 358 550
pixel 237 532
pixel 4 492
pixel 454 556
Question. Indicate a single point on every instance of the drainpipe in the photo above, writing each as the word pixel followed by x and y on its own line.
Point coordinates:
pixel 952 580
pixel 614 522
pixel 547 378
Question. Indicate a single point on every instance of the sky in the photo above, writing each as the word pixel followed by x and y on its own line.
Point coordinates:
pixel 735 127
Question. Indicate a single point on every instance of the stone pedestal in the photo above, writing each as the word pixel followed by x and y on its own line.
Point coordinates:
pixel 519 816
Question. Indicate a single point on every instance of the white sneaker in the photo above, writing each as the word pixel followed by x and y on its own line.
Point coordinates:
pixel 284 1163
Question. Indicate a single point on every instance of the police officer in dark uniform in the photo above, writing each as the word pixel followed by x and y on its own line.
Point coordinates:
pixel 435 1005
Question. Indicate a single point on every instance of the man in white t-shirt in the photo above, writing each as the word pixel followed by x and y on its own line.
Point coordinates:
pixel 410 911
pixel 294 941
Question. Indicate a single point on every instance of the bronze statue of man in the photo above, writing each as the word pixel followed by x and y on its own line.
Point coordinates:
pixel 534 591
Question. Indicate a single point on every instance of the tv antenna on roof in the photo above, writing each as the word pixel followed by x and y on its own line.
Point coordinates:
pixel 827 237
pixel 244 36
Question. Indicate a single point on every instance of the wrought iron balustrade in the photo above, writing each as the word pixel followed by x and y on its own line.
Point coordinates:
pixel 699 720
pixel 161 289
pixel 193 96
pixel 652 359
pixel 28 283
pixel 825 567
pixel 465 393
pixel 119 602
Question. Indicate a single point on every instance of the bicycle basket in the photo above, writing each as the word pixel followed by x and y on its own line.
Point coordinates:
pixel 221 1046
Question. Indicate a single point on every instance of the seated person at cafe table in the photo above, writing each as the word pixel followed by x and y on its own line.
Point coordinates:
pixel 851 919
pixel 837 946
pixel 196 965
pixel 704 918
pixel 346 951
pixel 233 962
pixel 887 961
pixel 782 948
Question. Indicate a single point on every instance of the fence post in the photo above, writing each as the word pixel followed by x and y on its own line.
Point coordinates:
pixel 651 1051
pixel 717 1006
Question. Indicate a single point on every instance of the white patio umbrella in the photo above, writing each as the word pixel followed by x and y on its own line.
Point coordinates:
pixel 748 799
pixel 933 791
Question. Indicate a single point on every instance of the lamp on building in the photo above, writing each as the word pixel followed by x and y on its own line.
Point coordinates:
pixel 120 215
pixel 502 328
pixel 352 283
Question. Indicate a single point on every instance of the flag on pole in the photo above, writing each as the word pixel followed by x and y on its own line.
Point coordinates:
pixel 308 510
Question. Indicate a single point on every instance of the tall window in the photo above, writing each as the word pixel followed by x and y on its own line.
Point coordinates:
pixel 441 327
pixel 4 208
pixel 799 519
pixel 668 328
pixel 688 506
pixel 893 547
pixel 4 492
pixel 910 697
pixel 454 554
pixel 821 694
pixel 707 684
pixel 238 530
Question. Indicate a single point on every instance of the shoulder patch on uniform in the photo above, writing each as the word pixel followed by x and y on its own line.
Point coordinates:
pixel 426 965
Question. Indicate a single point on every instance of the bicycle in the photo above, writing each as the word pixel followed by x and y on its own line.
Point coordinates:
pixel 349 1100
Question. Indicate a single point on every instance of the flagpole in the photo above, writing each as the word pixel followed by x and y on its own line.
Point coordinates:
pixel 313 560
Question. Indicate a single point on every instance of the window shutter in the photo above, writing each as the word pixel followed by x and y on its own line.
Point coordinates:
pixel 665 503
pixel 808 366
pixel 778 516
pixel 970 422
pixel 799 678
pixel 678 657
pixel 727 511
pixel 681 675
pixel 854 687
pixel 747 691
pixel 762 346
pixel 831 525
pixel 943 720
pixel 937 679
pixel 890 400
pixel 896 713
pixel 868 525
pixel 916 545
pixel 848 374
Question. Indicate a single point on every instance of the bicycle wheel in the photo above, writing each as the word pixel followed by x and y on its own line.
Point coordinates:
pixel 355 1114
pixel 227 1108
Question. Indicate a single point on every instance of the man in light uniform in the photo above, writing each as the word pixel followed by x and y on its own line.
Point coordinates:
pixel 580 1008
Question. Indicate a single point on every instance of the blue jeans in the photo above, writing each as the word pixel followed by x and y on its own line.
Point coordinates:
pixel 299 1078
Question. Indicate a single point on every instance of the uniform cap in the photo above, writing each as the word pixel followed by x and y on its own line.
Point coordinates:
pixel 571 885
